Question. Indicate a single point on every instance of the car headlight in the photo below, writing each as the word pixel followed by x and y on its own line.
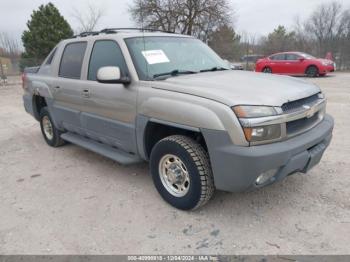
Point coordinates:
pixel 321 96
pixel 260 133
pixel 254 111
pixel 325 63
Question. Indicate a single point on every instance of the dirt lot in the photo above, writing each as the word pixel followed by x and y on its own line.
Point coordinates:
pixel 72 201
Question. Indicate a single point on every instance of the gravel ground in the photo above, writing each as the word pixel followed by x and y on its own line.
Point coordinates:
pixel 72 201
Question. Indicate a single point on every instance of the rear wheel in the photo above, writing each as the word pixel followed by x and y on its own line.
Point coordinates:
pixel 181 172
pixel 267 70
pixel 51 134
pixel 312 71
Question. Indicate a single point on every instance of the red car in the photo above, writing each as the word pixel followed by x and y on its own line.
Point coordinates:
pixel 295 63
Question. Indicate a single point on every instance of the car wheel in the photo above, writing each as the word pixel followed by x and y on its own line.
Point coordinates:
pixel 51 134
pixel 181 172
pixel 267 70
pixel 312 71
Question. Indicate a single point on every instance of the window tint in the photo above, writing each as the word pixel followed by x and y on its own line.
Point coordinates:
pixel 106 53
pixel 51 56
pixel 292 57
pixel 277 57
pixel 72 60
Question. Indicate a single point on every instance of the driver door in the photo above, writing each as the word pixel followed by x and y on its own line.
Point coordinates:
pixel 110 109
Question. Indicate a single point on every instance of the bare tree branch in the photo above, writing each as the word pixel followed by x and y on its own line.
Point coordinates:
pixel 89 19
pixel 9 46
pixel 191 17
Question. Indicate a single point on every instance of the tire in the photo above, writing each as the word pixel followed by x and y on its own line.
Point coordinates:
pixel 182 154
pixel 50 133
pixel 267 70
pixel 312 71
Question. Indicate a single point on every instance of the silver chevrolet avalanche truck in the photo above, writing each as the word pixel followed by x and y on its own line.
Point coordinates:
pixel 136 96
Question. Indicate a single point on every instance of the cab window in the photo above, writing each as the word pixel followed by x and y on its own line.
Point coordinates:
pixel 106 53
pixel 72 60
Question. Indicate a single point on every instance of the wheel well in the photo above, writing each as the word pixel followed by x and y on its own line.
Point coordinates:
pixel 38 103
pixel 307 68
pixel 155 132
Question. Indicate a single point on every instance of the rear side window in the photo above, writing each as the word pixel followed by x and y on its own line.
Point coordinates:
pixel 72 60
pixel 292 57
pixel 278 57
pixel 51 56
pixel 106 53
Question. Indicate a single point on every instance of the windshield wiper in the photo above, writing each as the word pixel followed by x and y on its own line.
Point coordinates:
pixel 215 68
pixel 175 73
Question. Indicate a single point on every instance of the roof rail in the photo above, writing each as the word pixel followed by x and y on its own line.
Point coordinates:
pixel 116 30
pixel 84 34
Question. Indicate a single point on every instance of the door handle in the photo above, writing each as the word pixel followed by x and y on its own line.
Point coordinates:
pixel 57 87
pixel 86 93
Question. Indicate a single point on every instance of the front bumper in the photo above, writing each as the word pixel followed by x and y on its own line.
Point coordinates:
pixel 327 69
pixel 236 168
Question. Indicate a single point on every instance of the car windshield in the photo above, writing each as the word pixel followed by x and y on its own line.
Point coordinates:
pixel 307 56
pixel 160 57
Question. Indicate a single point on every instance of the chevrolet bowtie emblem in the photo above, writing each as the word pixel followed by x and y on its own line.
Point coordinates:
pixel 311 111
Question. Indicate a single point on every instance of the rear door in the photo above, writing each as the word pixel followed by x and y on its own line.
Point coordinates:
pixel 110 112
pixel 68 90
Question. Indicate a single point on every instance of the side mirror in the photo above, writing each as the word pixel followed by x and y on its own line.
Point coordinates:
pixel 111 75
pixel 301 59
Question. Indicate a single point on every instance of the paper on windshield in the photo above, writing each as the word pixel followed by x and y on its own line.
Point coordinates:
pixel 155 57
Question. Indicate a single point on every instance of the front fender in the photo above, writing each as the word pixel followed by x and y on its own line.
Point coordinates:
pixel 181 112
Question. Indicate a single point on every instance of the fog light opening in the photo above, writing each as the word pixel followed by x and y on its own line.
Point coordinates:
pixel 266 177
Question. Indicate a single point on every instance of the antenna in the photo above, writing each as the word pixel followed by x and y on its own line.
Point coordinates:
pixel 143 35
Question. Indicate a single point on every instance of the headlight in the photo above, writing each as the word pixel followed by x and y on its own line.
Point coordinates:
pixel 325 63
pixel 261 133
pixel 254 111
pixel 321 96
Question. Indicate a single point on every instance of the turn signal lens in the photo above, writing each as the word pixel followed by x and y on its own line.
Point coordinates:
pixel 262 133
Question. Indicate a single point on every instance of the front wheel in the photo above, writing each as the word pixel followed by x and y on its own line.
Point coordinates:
pixel 181 172
pixel 312 71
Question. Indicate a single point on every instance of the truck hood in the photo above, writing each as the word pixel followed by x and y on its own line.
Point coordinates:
pixel 239 87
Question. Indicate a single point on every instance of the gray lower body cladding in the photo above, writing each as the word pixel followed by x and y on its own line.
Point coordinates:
pixel 28 104
pixel 236 168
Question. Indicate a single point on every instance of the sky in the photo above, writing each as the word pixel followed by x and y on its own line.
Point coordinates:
pixel 256 17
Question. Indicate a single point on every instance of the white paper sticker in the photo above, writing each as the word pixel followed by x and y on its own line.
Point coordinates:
pixel 155 57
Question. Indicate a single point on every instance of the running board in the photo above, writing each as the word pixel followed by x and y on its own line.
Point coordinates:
pixel 102 149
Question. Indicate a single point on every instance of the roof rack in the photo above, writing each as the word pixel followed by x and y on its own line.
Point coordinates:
pixel 116 30
pixel 85 34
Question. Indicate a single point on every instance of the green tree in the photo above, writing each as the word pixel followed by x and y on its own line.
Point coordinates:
pixel 279 40
pixel 225 42
pixel 45 29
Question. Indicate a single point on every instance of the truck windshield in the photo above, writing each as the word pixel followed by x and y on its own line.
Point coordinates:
pixel 159 57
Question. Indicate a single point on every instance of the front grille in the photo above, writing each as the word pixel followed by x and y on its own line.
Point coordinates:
pixel 297 126
pixel 298 104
